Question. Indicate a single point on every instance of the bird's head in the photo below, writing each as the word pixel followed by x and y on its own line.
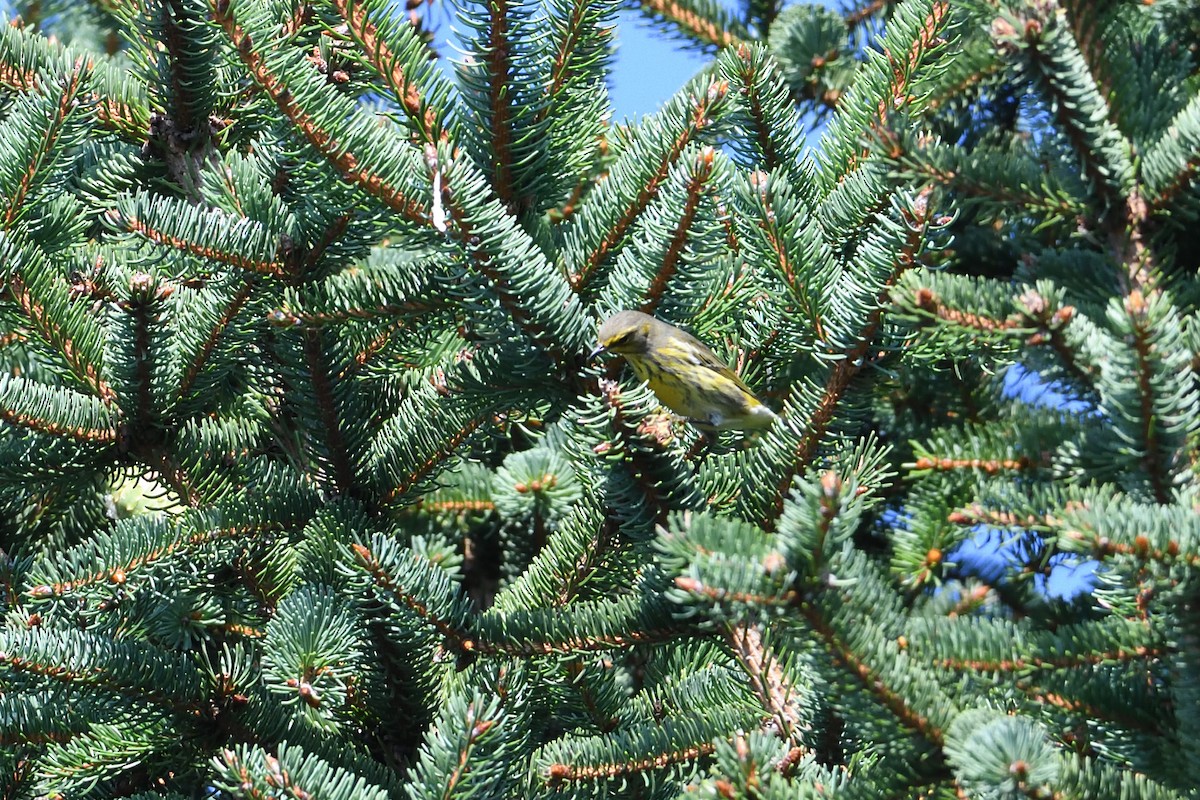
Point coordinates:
pixel 625 333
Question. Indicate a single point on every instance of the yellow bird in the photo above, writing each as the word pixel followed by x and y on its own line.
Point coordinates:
pixel 683 373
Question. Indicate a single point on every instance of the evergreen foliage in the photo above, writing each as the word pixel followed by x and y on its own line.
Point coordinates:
pixel 309 489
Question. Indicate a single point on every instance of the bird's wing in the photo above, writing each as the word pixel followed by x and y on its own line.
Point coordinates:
pixel 704 357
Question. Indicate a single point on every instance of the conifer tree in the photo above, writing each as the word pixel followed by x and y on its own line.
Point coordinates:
pixel 308 487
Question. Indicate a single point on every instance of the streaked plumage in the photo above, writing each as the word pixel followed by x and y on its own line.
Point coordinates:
pixel 683 373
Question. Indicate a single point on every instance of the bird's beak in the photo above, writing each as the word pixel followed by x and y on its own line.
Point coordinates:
pixel 600 349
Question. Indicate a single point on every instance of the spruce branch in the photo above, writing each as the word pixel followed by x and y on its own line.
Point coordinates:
pixel 676 240
pixel 755 86
pixel 499 92
pixel 701 173
pixel 396 575
pixel 566 642
pixel 81 658
pixel 468 750
pixel 21 77
pixel 885 85
pixel 927 301
pixel 454 506
pixel 978 514
pixel 1130 241
pixel 389 50
pixel 1140 549
pixel 893 700
pixel 559 773
pixel 1084 710
pixel 1100 523
pixel 374 348
pixel 55 412
pixel 1182 665
pixel 144 295
pixel 1087 24
pixel 1051 323
pixel 1023 664
pixel 250 772
pixel 348 163
pixel 707 24
pixel 989 466
pixel 946 94
pixel 40 155
pixel 1148 404
pixel 538 298
pixel 722 594
pixel 697 108
pixel 46 322
pixel 601 720
pixel 28 61
pixel 318 319
pixel 178 25
pixel 328 408
pixel 334 231
pixel 478 728
pixel 1171 164
pixel 570 206
pixel 564 66
pixel 576 628
pixel 449 444
pixel 230 311
pixel 846 369
pixel 194 246
pixel 769 681
pixel 1156 470
pixel 1078 104
pixel 810 47
pixel 127 119
pixel 795 248
pixel 137 546
pixel 630 436
pixel 858 14
pixel 574 555
pixel 986 179
pixel 905 66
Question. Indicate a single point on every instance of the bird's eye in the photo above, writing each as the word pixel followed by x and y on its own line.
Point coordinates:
pixel 621 338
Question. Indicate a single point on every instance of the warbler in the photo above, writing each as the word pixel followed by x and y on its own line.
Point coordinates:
pixel 683 373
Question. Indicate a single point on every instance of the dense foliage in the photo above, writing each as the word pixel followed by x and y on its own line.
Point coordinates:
pixel 309 489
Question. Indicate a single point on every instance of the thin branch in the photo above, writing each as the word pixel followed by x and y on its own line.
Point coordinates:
pixel 46 325
pixel 1152 461
pixel 767 680
pixel 896 702
pixel 848 367
pixel 389 66
pixel 432 463
pixel 693 24
pixel 500 98
pixel 343 160
pixel 562 773
pixel 701 174
pixel 232 309
pixel 33 423
pixel 272 268
pixel 327 408
pixel 699 118
pixel 50 135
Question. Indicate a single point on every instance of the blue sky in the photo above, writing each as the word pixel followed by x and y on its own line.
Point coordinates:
pixel 649 67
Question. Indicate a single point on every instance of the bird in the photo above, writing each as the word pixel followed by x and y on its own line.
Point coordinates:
pixel 683 373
